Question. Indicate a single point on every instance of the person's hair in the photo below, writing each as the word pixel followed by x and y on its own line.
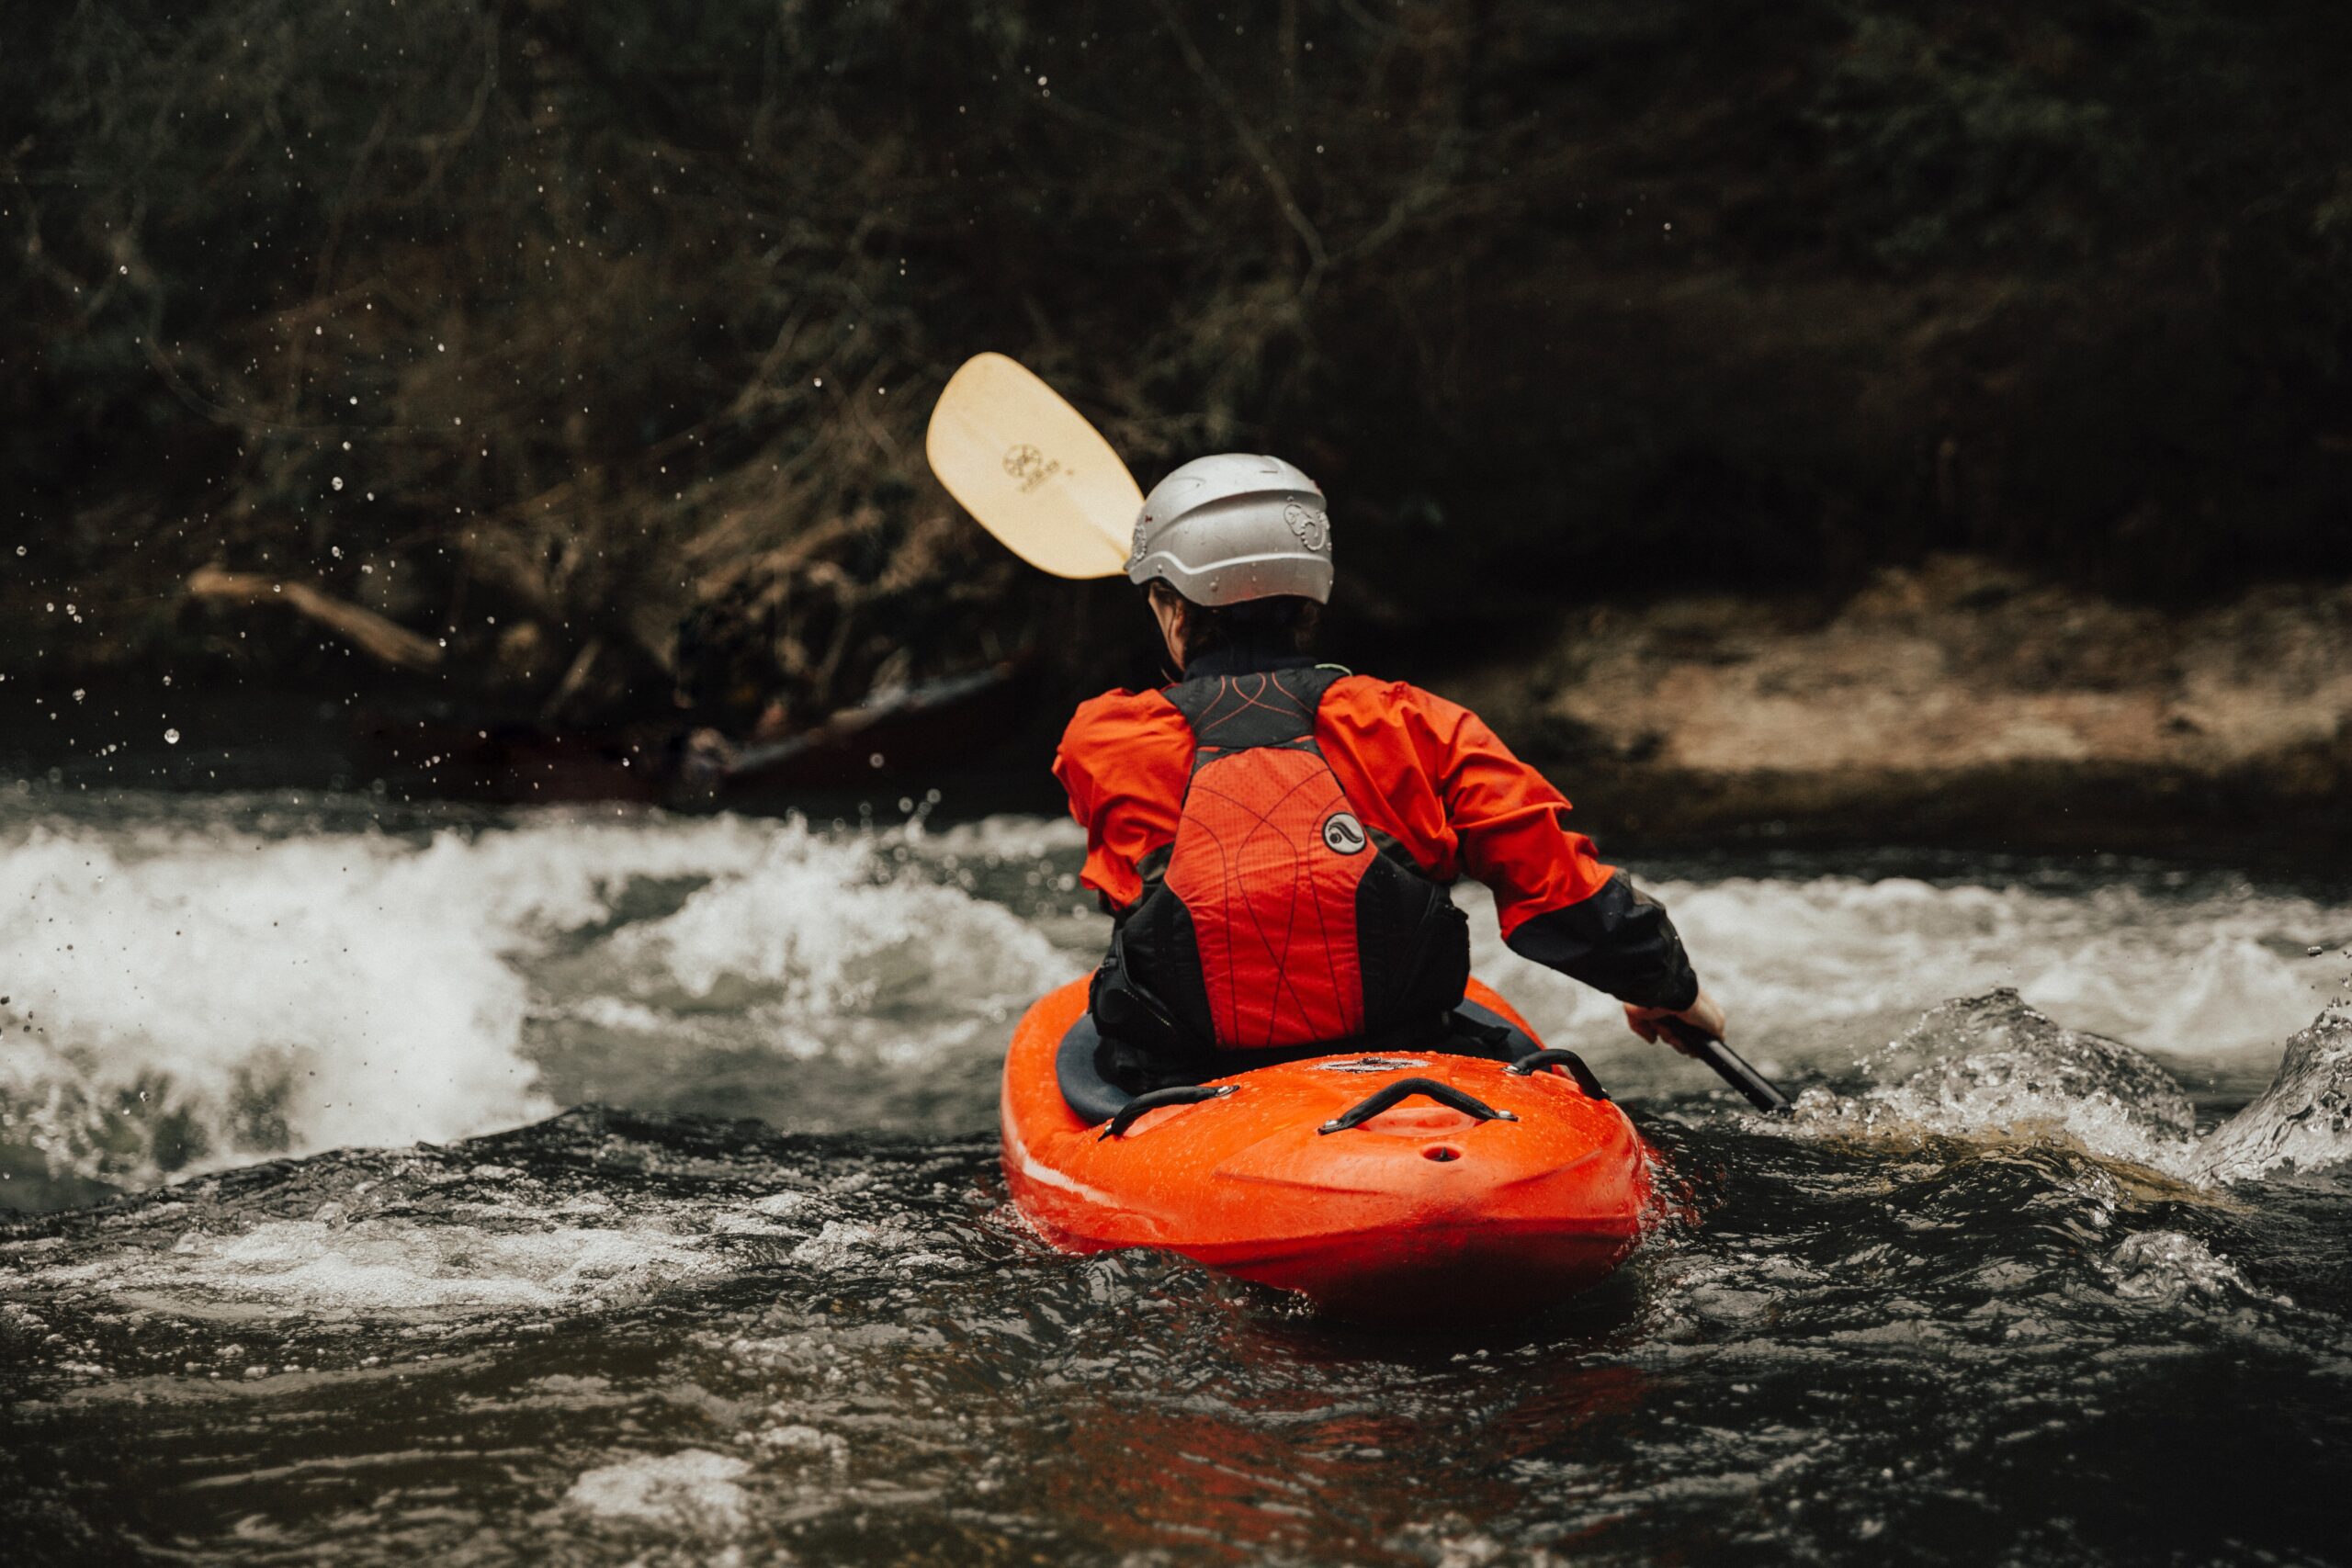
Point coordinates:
pixel 1284 623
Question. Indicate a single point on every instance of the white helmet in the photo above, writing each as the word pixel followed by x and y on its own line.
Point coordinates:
pixel 1233 527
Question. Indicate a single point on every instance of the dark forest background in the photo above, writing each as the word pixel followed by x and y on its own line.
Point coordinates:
pixel 590 341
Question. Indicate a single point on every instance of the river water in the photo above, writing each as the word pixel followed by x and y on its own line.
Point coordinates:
pixel 311 1263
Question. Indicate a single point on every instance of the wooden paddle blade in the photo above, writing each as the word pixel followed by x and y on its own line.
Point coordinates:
pixel 1032 471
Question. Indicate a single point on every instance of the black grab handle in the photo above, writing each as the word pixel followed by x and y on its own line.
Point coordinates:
pixel 1445 1094
pixel 1728 1066
pixel 1142 1104
pixel 1554 1056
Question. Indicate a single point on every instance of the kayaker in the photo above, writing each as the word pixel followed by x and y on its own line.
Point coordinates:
pixel 1274 837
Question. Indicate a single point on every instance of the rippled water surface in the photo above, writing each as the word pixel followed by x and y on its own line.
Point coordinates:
pixel 2047 1269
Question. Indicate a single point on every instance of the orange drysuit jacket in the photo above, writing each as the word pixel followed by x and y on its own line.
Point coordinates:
pixel 1427 771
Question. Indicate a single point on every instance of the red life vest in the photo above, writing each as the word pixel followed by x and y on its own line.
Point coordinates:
pixel 1276 918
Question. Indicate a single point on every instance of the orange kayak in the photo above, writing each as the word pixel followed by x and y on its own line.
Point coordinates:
pixel 1416 1184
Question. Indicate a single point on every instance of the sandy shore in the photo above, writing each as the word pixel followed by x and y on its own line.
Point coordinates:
pixel 1956 697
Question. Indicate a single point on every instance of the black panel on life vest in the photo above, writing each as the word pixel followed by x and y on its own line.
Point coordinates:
pixel 1413 942
pixel 1239 713
pixel 1150 993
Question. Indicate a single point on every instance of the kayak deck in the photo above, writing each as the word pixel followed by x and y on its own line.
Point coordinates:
pixel 1420 1209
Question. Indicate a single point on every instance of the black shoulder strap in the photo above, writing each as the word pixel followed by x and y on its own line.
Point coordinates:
pixel 1240 713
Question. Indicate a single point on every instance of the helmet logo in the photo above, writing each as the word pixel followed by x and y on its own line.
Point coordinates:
pixel 1143 525
pixel 1342 834
pixel 1312 526
pixel 1029 467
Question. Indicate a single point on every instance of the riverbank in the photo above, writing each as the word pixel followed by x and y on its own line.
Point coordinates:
pixel 1954 701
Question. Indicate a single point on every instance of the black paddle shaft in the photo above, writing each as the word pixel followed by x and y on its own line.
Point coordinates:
pixel 1758 1088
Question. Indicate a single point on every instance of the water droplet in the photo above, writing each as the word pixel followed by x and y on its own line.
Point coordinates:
pixel 171 737
pixel 337 481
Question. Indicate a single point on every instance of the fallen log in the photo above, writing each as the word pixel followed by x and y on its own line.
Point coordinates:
pixel 381 639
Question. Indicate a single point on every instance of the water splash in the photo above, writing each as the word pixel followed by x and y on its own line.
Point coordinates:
pixel 2171 1268
pixel 2190 966
pixel 1991 1066
pixel 694 1491
pixel 2302 1123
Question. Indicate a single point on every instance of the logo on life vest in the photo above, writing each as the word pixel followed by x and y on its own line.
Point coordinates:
pixel 1342 834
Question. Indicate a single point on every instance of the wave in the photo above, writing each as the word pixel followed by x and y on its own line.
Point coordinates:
pixel 1824 969
pixel 186 984
pixel 180 996
pixel 2302 1123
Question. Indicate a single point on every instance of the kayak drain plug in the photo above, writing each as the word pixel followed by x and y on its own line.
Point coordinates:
pixel 1442 1153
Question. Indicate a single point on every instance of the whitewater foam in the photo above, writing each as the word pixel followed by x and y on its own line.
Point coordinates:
pixel 2302 1123
pixel 1817 967
pixel 2170 1268
pixel 191 984
pixel 395 1267
pixel 815 932
pixel 183 998
pixel 1992 1067
pixel 692 1490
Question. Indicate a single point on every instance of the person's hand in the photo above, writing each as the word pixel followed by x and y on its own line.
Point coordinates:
pixel 1703 1015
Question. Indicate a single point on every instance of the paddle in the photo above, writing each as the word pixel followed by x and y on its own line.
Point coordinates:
pixel 1034 473
pixel 1728 1066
